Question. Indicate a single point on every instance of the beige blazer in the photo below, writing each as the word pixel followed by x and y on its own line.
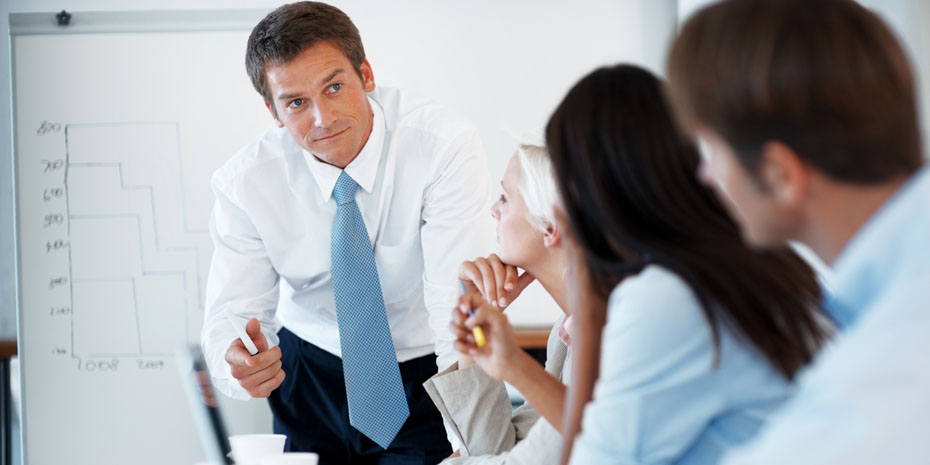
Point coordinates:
pixel 477 410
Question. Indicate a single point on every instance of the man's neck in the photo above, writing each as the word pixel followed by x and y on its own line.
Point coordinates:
pixel 838 210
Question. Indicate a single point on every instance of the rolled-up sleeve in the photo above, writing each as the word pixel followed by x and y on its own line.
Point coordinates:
pixel 242 282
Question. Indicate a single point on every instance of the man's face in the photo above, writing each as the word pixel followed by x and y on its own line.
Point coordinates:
pixel 321 101
pixel 762 222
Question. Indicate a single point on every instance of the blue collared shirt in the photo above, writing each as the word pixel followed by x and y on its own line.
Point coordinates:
pixel 659 399
pixel 866 399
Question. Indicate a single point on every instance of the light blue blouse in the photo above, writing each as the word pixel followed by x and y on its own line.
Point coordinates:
pixel 659 399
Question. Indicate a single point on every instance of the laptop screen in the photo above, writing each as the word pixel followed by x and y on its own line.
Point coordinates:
pixel 207 417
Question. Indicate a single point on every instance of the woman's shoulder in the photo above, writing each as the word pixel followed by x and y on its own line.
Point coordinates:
pixel 656 308
pixel 661 290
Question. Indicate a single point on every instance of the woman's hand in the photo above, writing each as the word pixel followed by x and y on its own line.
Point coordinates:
pixel 502 358
pixel 501 352
pixel 496 281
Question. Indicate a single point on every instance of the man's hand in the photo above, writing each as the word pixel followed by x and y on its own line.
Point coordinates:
pixel 258 374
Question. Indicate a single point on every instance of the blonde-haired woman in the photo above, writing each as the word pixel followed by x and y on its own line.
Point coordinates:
pixel 472 397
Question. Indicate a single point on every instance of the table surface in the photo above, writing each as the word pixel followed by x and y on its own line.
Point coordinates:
pixel 532 338
pixel 7 349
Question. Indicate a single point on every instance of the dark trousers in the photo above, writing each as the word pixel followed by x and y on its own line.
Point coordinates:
pixel 310 408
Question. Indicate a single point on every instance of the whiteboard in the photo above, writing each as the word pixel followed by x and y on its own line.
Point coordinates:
pixel 115 142
pixel 116 136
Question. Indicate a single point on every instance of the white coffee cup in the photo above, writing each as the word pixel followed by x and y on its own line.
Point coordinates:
pixel 291 458
pixel 249 449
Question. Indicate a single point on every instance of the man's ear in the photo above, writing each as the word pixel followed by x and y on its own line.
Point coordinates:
pixel 273 114
pixel 784 174
pixel 553 236
pixel 368 77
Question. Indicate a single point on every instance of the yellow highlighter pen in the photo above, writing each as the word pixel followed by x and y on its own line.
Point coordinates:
pixel 476 331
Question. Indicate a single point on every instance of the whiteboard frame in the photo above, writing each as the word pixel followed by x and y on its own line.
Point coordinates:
pixel 95 22
pixel 17 260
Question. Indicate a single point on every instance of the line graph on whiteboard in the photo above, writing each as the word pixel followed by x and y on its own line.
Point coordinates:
pixel 130 277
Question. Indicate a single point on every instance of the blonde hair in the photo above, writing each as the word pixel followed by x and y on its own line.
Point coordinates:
pixel 537 185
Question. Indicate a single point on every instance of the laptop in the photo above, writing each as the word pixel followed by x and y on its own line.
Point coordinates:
pixel 203 401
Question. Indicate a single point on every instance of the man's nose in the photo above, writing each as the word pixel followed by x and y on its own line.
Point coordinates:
pixel 323 115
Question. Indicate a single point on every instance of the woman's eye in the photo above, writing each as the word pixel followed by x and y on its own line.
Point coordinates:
pixel 503 199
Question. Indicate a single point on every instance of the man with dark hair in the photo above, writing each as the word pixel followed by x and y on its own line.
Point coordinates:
pixel 807 115
pixel 338 237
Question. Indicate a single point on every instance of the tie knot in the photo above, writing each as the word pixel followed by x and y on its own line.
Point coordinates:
pixel 344 191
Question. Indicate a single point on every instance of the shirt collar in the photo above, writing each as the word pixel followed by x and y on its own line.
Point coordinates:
pixel 363 169
pixel 886 249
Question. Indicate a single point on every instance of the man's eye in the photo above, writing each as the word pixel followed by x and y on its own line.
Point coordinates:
pixel 296 102
pixel 335 87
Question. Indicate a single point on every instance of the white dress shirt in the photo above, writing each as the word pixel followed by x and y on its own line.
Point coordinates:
pixel 423 193
pixel 866 398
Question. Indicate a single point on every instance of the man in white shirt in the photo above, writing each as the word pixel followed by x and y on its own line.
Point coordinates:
pixel 809 115
pixel 338 236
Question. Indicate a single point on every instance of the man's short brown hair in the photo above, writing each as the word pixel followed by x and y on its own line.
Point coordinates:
pixel 290 29
pixel 825 77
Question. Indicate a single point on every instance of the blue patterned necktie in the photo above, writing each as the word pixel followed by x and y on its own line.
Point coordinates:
pixel 377 403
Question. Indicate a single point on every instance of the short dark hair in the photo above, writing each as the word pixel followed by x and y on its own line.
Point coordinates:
pixel 626 175
pixel 287 31
pixel 825 77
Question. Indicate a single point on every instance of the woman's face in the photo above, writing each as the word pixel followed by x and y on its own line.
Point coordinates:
pixel 521 244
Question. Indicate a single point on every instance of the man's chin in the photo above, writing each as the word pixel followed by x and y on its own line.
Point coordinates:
pixel 331 158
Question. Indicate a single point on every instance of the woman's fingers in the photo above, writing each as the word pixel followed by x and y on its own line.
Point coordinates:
pixel 522 281
pixel 510 278
pixel 520 284
pixel 488 280
pixel 471 277
pixel 483 314
pixel 460 312
pixel 464 346
pixel 497 282
pixel 500 275
pixel 458 331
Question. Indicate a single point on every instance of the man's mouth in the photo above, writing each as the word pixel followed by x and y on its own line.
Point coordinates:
pixel 331 135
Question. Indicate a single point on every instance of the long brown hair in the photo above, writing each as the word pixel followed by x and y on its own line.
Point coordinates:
pixel 627 177
pixel 628 181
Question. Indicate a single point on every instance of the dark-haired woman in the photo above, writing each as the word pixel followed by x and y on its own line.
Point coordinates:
pixel 702 336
